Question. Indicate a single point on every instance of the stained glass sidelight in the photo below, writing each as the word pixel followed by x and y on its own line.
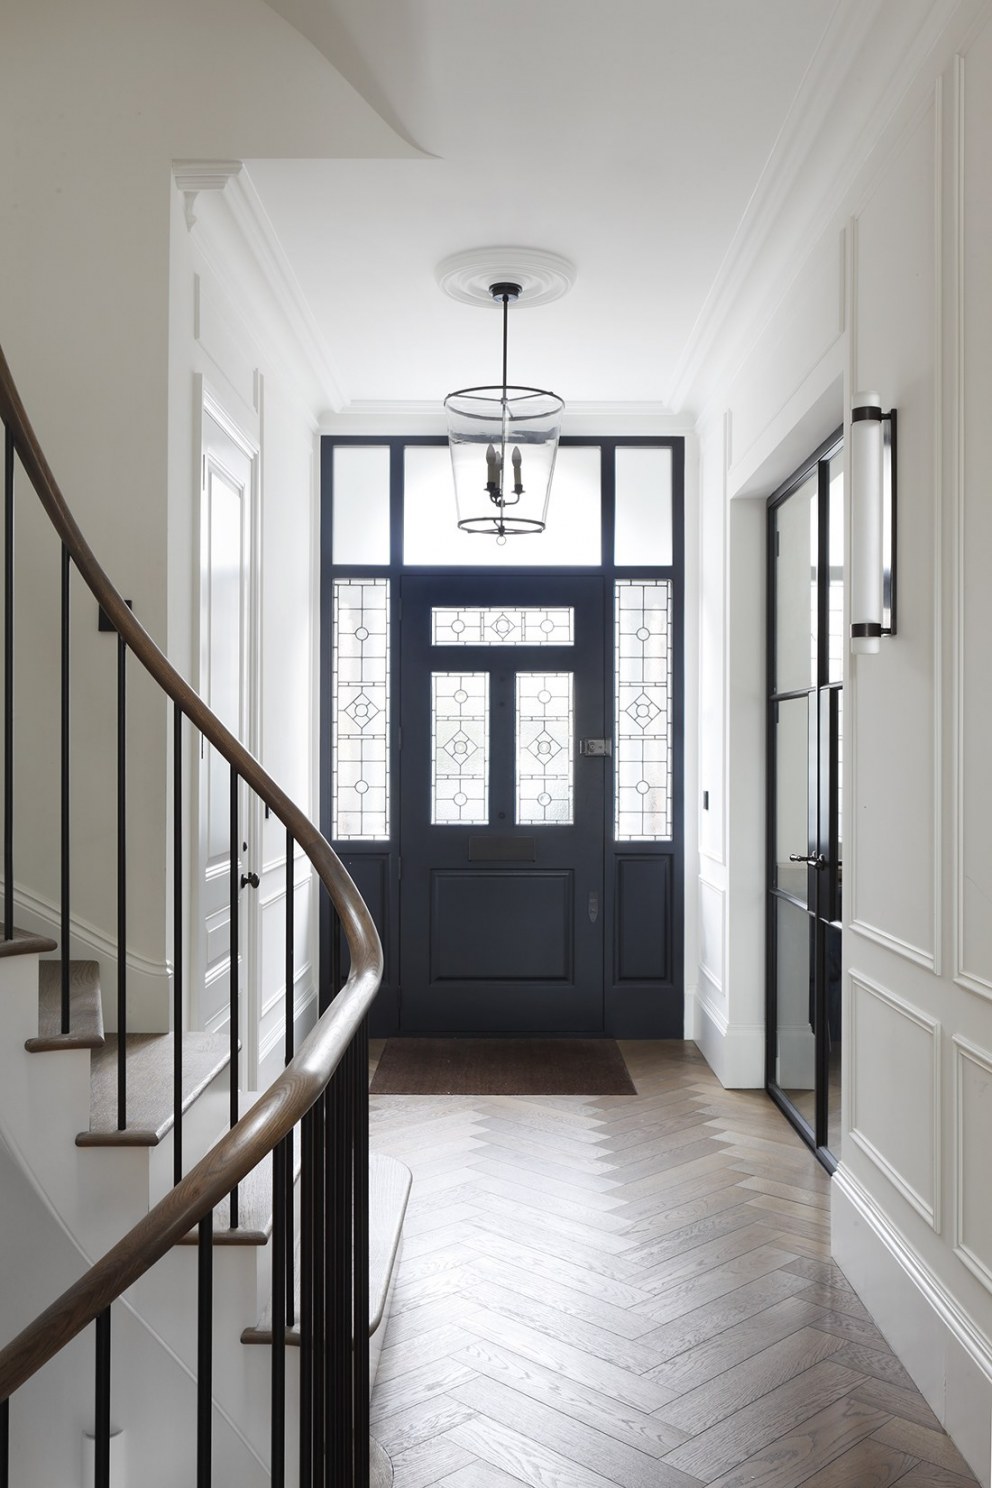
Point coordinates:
pixel 643 716
pixel 460 747
pixel 544 732
pixel 471 626
pixel 360 710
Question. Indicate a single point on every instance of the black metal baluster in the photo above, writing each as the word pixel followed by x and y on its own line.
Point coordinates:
pixel 290 1049
pixel 4 1443
pixel 290 948
pixel 306 1300
pixel 290 1046
pixel 281 1159
pixel 360 1095
pixel 101 1425
pixel 8 690
pixel 204 1351
pixel 320 1339
pixel 348 1340
pixel 64 948
pixel 337 1318
pixel 235 958
pixel 121 886
pixel 177 943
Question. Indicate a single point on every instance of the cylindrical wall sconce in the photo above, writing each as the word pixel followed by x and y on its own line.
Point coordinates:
pixel 873 528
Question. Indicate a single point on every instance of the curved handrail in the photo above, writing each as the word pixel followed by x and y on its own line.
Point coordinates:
pixel 300 1084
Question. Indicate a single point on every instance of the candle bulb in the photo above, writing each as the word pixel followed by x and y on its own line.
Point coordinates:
pixel 492 468
pixel 518 463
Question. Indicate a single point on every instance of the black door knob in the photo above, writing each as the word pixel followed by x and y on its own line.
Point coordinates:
pixel 250 878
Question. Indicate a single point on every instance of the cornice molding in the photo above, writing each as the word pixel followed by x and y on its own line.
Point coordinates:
pixel 424 416
pixel 194 176
pixel 239 245
pixel 260 237
pixel 795 201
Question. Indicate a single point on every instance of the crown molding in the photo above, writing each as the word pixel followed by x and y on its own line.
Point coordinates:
pixel 427 417
pixel 239 245
pixel 808 177
pixel 194 176
pixel 259 235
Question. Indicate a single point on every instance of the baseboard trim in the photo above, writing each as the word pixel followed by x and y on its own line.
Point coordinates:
pixel 735 1055
pixel 948 1357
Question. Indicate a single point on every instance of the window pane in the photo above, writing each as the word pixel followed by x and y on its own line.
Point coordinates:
pixel 460 747
pixel 431 536
pixel 510 627
pixel 795 589
pixel 643 506
pixel 360 532
pixel 792 802
pixel 795 1040
pixel 643 710
pixel 545 726
pixel 360 710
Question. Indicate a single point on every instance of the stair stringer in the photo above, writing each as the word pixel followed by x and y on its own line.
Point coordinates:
pixel 67 1205
pixel 153 1387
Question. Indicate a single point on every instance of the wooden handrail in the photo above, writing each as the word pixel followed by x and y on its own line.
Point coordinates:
pixel 299 1085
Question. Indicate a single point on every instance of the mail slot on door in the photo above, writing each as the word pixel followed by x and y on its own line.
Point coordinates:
pixel 596 746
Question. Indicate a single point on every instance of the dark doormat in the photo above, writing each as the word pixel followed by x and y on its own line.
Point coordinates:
pixel 501 1066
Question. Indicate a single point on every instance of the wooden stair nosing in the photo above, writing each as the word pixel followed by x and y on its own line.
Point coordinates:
pixel 389 1191
pixel 150 1065
pixel 26 943
pixel 254 1204
pixel 85 1003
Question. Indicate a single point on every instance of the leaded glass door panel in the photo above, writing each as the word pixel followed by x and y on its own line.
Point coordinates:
pixel 503 805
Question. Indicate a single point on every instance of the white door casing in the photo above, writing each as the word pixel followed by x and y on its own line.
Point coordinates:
pixel 227 672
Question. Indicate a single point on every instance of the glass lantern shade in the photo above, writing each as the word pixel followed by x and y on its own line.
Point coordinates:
pixel 503 444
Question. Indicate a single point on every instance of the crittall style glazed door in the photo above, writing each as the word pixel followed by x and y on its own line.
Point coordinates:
pixel 502 766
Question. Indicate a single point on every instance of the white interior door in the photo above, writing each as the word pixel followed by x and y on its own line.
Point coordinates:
pixel 227 518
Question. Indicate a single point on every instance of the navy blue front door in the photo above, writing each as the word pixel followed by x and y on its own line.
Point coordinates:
pixel 503 772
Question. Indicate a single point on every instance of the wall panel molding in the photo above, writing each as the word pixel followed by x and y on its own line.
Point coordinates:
pixel 971 978
pixel 971 1173
pixel 903 948
pixel 872 1141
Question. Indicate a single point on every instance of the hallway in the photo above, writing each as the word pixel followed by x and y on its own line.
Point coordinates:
pixel 632 1292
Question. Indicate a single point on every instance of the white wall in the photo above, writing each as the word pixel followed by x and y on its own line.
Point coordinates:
pixel 895 294
pixel 96 102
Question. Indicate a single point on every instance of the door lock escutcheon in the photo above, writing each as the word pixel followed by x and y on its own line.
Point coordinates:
pixel 597 747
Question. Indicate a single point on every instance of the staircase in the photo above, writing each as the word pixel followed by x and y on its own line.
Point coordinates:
pixel 225 1244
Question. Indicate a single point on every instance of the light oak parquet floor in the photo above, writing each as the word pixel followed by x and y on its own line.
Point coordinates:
pixel 632 1292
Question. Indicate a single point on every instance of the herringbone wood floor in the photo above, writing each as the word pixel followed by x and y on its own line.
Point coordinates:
pixel 632 1292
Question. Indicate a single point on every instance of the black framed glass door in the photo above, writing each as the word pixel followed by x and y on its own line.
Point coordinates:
pixel 805 733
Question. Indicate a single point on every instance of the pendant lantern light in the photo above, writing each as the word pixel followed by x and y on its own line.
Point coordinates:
pixel 503 442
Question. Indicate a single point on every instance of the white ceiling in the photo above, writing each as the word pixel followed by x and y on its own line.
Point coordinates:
pixel 628 136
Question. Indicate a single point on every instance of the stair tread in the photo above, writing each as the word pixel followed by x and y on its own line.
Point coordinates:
pixel 149 1085
pixel 85 1008
pixel 26 943
pixel 254 1206
pixel 389 1189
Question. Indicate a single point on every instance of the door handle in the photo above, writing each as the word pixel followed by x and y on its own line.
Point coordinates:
pixel 250 878
pixel 814 860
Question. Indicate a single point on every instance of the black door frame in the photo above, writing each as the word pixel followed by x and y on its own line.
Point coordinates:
pixel 823 884
pixel 633 1009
